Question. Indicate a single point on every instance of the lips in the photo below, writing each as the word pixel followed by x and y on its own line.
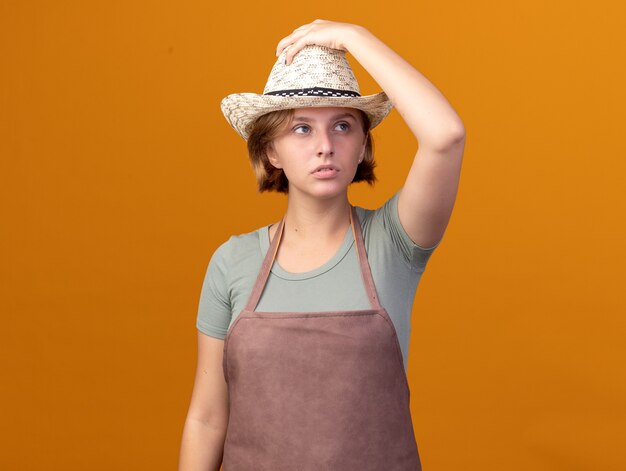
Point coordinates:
pixel 323 168
pixel 325 172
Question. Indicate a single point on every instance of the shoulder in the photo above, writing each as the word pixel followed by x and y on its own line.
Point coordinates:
pixel 383 230
pixel 240 244
pixel 381 216
pixel 239 252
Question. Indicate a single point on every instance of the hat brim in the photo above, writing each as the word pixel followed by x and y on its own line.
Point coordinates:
pixel 242 109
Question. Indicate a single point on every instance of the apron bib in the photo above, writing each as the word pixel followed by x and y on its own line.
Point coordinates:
pixel 317 390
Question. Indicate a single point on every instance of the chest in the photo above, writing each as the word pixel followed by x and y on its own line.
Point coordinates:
pixel 336 285
pixel 301 257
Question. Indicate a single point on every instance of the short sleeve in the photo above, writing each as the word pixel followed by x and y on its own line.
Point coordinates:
pixel 415 255
pixel 214 312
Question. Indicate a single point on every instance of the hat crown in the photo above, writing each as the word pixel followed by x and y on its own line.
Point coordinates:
pixel 312 67
pixel 318 76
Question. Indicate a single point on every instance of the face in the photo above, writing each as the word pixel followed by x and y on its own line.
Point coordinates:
pixel 319 150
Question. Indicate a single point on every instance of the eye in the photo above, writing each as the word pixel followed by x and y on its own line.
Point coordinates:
pixel 301 129
pixel 342 126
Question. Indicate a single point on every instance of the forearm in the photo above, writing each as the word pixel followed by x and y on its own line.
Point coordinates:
pixel 425 110
pixel 202 447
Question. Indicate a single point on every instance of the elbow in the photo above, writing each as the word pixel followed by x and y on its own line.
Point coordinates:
pixel 458 132
pixel 451 137
pixel 455 134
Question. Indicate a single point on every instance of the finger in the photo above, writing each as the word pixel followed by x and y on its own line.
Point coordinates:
pixel 293 37
pixel 302 27
pixel 287 40
pixel 283 43
pixel 295 48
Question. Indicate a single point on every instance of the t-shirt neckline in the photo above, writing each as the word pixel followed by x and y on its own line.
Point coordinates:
pixel 344 248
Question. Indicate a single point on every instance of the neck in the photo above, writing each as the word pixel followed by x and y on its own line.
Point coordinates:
pixel 311 218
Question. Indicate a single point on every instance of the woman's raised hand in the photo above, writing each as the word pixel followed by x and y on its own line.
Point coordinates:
pixel 320 32
pixel 429 192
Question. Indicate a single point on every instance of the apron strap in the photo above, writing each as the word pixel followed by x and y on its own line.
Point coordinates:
pixel 368 279
pixel 268 261
pixel 264 272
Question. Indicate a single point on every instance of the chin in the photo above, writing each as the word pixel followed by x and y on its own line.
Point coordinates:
pixel 322 192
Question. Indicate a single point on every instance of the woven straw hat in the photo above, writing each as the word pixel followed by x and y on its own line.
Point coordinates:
pixel 317 77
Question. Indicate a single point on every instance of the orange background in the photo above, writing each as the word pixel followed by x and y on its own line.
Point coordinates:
pixel 120 177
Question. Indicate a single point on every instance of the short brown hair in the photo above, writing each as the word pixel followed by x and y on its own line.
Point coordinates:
pixel 270 178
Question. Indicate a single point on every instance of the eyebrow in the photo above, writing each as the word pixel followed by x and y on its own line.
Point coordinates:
pixel 306 119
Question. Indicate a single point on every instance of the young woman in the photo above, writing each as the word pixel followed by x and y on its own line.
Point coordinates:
pixel 304 324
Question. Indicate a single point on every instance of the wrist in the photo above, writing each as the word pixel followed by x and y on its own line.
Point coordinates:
pixel 355 36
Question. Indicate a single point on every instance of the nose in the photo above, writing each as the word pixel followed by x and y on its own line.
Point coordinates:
pixel 325 146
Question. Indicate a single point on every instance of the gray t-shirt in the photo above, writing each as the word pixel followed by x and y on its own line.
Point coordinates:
pixel 396 262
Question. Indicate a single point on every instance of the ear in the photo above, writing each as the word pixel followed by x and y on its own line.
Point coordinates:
pixel 273 157
pixel 362 153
